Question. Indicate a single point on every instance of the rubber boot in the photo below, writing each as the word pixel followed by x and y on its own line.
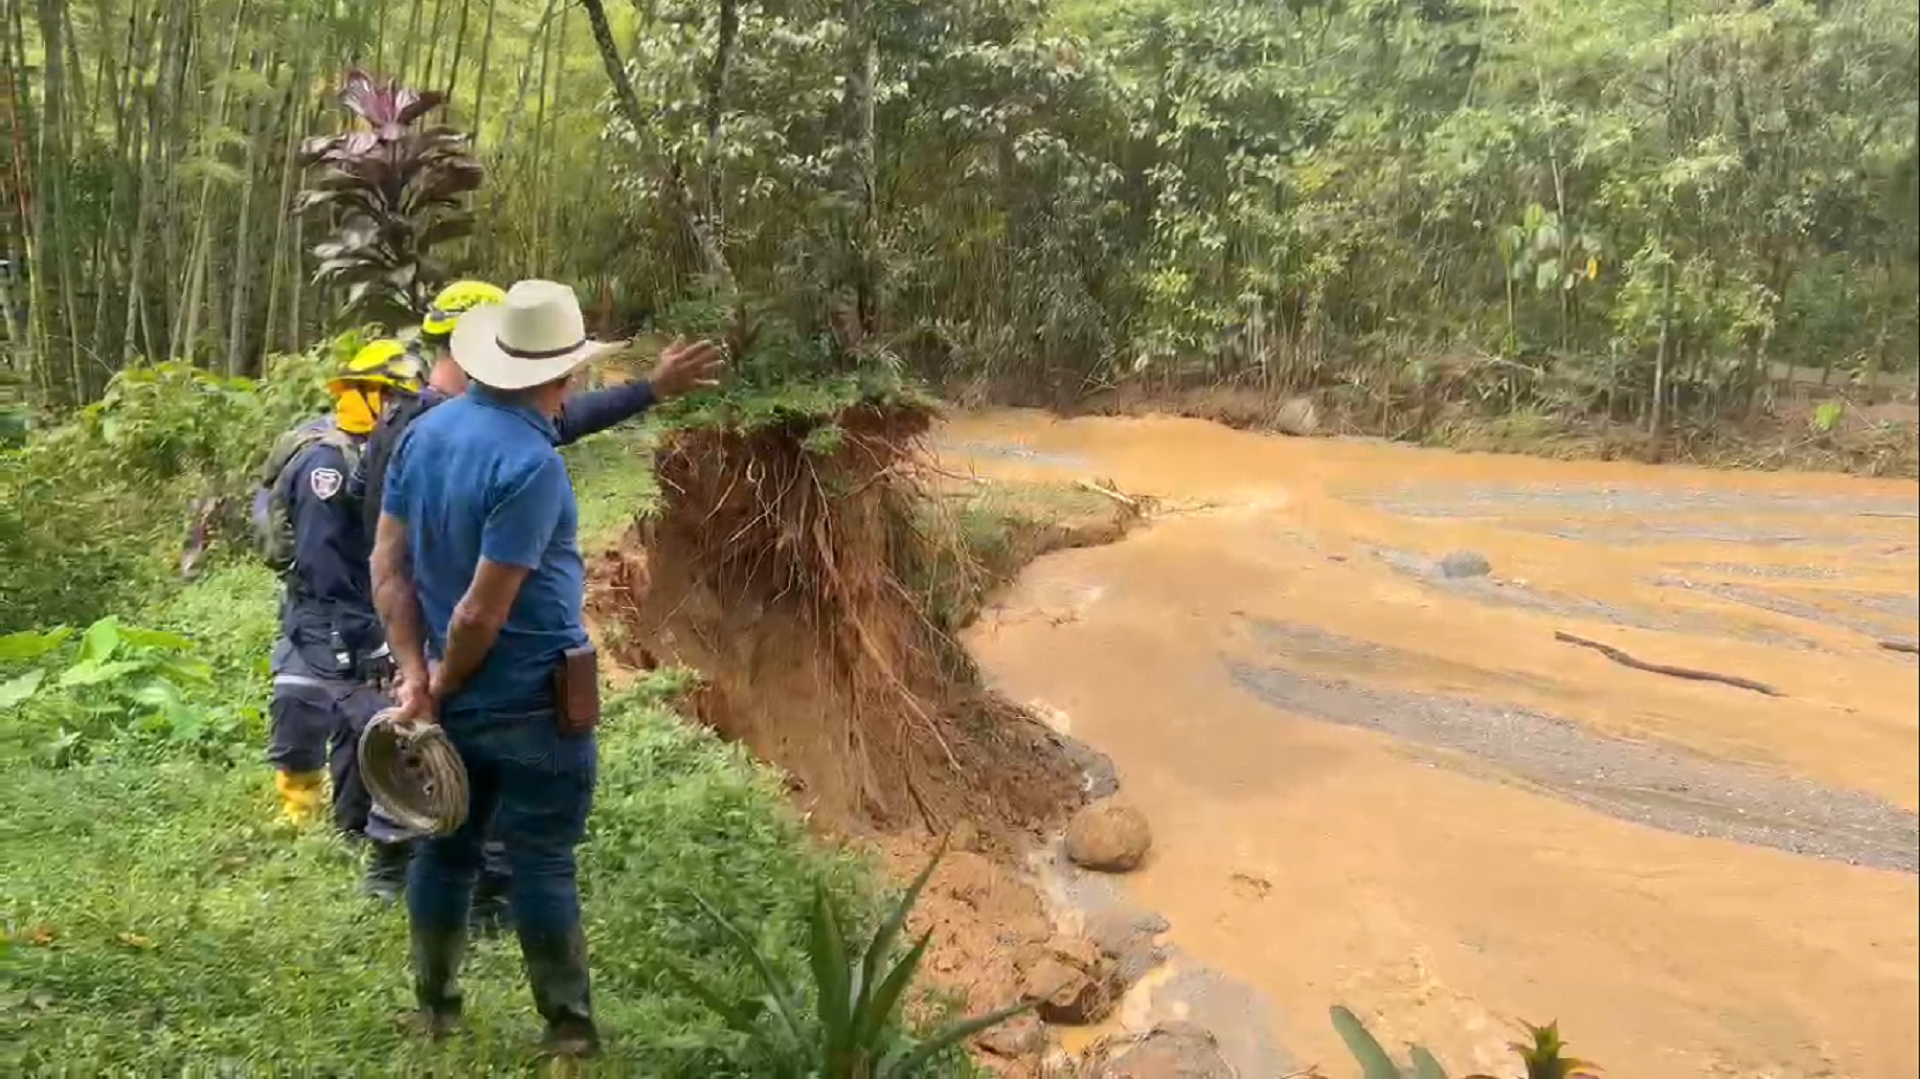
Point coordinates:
pixel 557 970
pixel 437 955
pixel 301 794
pixel 386 878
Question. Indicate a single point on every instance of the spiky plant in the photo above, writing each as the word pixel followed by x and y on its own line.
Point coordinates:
pixel 393 191
pixel 1544 1056
pixel 852 1029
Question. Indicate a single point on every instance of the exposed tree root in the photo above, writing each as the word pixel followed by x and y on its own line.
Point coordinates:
pixel 1626 660
pixel 777 568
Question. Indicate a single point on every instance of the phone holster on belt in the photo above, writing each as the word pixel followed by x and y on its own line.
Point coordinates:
pixel 576 690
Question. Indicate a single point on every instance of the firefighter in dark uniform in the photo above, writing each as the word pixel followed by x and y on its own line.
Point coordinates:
pixel 331 667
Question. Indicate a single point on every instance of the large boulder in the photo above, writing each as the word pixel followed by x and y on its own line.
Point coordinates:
pixel 1110 836
pixel 1173 1051
pixel 1298 417
pixel 1073 981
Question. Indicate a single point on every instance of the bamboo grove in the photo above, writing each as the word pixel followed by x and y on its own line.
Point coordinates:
pixel 1615 207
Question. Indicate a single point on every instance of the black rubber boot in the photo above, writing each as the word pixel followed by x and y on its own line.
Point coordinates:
pixel 436 980
pixel 386 878
pixel 557 970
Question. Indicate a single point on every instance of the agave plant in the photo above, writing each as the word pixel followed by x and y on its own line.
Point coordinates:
pixel 853 1031
pixel 1544 1056
pixel 393 190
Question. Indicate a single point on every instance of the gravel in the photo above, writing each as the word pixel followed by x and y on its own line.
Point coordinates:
pixel 1505 593
pixel 1012 451
pixel 1661 786
pixel 1438 500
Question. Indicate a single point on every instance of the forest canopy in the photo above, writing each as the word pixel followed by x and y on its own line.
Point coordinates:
pixel 1606 205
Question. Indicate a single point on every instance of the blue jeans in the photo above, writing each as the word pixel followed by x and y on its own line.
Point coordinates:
pixel 530 788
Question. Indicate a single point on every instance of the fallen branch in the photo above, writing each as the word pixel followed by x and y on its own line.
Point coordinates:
pixel 1911 648
pixel 1689 673
pixel 1125 500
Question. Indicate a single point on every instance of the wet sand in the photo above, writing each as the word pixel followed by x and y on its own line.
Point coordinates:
pixel 1377 786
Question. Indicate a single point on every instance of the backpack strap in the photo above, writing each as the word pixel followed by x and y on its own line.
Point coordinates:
pixel 399 413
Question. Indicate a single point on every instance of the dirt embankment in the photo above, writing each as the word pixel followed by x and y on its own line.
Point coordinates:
pixel 815 585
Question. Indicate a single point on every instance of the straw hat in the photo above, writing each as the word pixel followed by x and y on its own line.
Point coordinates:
pixel 532 337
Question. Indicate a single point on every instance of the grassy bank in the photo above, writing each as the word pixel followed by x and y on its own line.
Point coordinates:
pixel 161 920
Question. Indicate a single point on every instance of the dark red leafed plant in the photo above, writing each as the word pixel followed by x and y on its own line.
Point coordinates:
pixel 393 191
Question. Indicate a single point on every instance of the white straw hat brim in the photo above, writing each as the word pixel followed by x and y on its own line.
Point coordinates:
pixel 477 349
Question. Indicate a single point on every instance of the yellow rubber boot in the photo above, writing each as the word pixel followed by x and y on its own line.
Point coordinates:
pixel 301 795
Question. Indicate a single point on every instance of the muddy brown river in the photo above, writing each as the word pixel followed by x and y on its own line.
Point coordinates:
pixel 1378 785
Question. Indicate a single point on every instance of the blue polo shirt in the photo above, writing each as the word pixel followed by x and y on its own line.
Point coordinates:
pixel 479 477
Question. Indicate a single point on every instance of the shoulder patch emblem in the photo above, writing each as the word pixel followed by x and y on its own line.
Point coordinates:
pixel 326 482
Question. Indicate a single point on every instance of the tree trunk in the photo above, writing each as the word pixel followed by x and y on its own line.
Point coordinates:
pixel 280 259
pixel 672 179
pixel 486 57
pixel 240 292
pixel 853 303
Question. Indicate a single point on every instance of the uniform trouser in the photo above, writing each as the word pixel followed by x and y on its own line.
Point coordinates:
pixel 316 723
pixel 531 788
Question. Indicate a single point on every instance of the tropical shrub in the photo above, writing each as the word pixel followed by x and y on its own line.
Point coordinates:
pixel 394 190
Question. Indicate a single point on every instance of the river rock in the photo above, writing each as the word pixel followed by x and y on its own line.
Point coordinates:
pixel 1299 416
pixel 1172 1051
pixel 1021 1036
pixel 1073 981
pixel 1463 564
pixel 1110 836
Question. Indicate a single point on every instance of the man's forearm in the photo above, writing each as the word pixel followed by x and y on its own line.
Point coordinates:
pixel 470 636
pixel 590 413
pixel 397 602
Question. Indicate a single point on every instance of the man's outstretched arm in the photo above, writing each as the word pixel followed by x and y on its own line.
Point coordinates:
pixel 682 367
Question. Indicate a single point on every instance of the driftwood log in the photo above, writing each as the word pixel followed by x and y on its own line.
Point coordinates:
pixel 1689 673
pixel 1911 648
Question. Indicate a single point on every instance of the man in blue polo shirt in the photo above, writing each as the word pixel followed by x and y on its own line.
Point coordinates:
pixel 479 580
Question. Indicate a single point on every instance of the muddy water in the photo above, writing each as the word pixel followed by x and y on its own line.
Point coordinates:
pixel 1375 785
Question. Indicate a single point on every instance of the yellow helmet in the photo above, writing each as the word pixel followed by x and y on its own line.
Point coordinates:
pixel 385 362
pixel 455 300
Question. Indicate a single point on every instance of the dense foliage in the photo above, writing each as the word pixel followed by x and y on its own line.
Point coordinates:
pixel 1586 208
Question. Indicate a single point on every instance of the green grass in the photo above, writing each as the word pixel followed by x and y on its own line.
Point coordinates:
pixel 160 920
pixel 613 482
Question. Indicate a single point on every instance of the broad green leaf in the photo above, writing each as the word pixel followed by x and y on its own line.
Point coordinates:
pixel 30 645
pixel 1367 1052
pixel 100 641
pixel 155 638
pixel 1546 275
pixel 156 693
pixel 93 674
pixel 16 690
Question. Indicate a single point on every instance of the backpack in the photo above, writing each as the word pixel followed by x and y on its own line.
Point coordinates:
pixel 272 510
pixel 370 484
